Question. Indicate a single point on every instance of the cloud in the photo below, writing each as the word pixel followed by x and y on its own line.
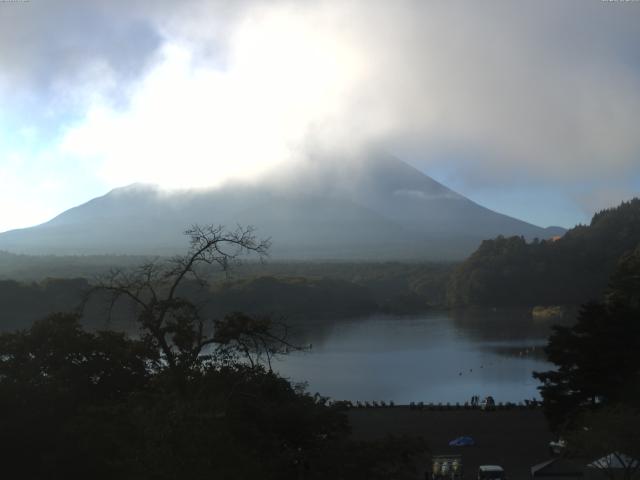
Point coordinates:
pixel 189 122
pixel 545 90
pixel 197 92
pixel 421 195
pixel 21 194
pixel 605 196
pixel 44 43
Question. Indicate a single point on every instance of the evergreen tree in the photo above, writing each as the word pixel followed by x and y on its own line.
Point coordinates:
pixel 597 358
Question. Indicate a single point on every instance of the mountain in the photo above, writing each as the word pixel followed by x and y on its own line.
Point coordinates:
pixel 376 209
pixel 569 271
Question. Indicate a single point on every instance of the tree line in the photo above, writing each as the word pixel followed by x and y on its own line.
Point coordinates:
pixel 566 271
pixel 273 291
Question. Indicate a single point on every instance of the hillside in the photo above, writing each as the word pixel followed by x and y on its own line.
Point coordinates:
pixel 568 271
pixel 376 209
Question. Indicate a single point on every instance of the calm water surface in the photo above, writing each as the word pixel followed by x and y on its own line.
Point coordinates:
pixel 436 357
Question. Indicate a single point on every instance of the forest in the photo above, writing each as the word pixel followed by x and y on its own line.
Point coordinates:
pixel 569 270
pixel 290 290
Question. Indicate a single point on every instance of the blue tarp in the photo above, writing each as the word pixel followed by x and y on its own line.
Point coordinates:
pixel 462 442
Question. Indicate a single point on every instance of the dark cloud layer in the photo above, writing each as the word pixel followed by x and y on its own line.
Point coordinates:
pixel 44 42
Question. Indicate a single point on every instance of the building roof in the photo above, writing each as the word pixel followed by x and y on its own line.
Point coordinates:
pixel 557 467
pixel 614 460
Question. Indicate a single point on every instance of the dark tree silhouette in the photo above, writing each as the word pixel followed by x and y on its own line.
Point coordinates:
pixel 63 393
pixel 253 337
pixel 78 404
pixel 597 359
pixel 168 321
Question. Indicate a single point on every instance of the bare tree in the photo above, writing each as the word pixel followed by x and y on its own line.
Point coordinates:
pixel 255 338
pixel 170 323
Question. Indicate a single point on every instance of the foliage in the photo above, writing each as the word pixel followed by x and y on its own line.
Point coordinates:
pixel 76 404
pixel 254 337
pixel 293 297
pixel 568 271
pixel 22 303
pixel 61 387
pixel 597 358
pixel 297 290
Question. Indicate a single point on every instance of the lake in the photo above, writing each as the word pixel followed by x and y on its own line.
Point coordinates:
pixel 434 357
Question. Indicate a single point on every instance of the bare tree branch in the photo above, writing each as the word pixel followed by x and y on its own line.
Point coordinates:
pixel 174 324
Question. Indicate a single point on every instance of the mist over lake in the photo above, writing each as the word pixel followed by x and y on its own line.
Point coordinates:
pixel 435 357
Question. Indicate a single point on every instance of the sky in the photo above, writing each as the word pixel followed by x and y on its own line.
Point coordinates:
pixel 529 108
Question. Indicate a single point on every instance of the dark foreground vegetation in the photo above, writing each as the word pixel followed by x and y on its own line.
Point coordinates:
pixel 592 398
pixel 99 405
pixel 184 399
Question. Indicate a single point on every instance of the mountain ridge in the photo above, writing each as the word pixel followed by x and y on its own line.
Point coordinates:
pixel 381 209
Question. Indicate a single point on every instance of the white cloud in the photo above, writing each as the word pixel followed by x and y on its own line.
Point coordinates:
pixel 189 124
pixel 421 195
pixel 605 196
pixel 544 91
pixel 19 198
pixel 197 92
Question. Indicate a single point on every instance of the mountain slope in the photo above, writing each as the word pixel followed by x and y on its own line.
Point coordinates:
pixel 380 208
pixel 414 200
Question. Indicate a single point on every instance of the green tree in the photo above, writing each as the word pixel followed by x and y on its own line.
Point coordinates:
pixel 61 394
pixel 597 360
pixel 571 270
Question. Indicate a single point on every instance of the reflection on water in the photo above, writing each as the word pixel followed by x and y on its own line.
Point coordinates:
pixel 437 357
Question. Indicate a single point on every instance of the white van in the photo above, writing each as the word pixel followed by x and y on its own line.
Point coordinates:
pixel 491 472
